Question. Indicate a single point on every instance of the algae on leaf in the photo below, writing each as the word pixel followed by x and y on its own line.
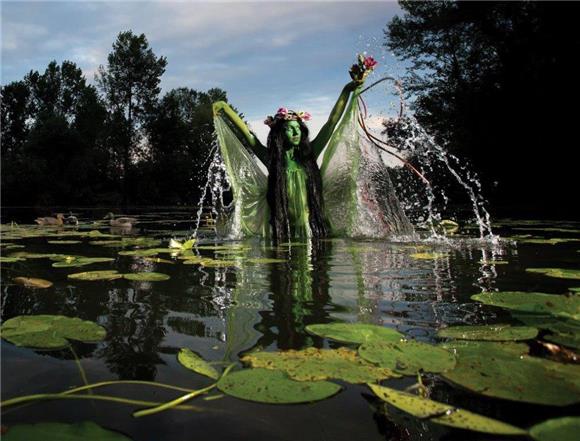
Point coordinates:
pixel 444 414
pixel 146 277
pixel 320 364
pixel 96 275
pixel 489 332
pixel 407 356
pixel 49 331
pixel 560 273
pixel 274 387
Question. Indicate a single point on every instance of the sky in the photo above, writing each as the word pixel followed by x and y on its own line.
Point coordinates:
pixel 265 54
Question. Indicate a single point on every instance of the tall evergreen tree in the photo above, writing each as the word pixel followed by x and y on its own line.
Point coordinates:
pixel 130 83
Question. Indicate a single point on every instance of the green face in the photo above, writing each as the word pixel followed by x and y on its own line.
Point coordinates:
pixel 293 133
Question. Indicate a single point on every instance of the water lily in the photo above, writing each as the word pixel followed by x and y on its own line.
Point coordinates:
pixel 369 63
pixel 304 116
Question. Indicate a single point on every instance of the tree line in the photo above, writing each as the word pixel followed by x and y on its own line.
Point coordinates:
pixel 497 83
pixel 67 142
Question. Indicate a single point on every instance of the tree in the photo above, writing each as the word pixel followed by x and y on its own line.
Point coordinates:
pixel 130 83
pixel 495 82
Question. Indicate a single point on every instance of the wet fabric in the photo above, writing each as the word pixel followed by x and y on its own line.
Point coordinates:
pixel 297 197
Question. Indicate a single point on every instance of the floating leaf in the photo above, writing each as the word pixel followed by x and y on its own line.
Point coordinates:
pixel 320 364
pixel 216 263
pixel 146 277
pixel 490 370
pixel 557 429
pixel 551 241
pixel 480 347
pixel 355 332
pixel 407 356
pixel 194 362
pixel 32 282
pixel 428 256
pixel 158 260
pixel 75 261
pixel 559 305
pixel 141 253
pixel 87 431
pixel 10 259
pixel 49 331
pixel 444 414
pixel 96 275
pixel 27 255
pixel 274 387
pixel 489 332
pixel 493 262
pixel 64 242
pixel 557 272
pixel 192 260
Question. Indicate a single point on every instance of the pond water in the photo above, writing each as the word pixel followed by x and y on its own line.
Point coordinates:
pixel 224 312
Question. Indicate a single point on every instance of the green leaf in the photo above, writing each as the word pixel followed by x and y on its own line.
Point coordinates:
pixel 320 364
pixel 49 331
pixel 216 263
pixel 64 242
pixel 558 305
pixel 354 332
pixel 428 256
pixel 87 431
pixel 444 414
pixel 146 277
pixel 10 259
pixel 194 362
pixel 274 387
pixel 140 253
pixel 560 273
pixel 32 282
pixel 96 275
pixel 407 356
pixel 557 429
pixel 489 332
pixel 265 261
pixel 76 261
pixel 489 369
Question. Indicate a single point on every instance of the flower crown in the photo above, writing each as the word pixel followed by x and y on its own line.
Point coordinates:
pixel 287 115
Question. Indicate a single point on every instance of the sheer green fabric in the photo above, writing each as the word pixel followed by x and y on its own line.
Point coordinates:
pixel 249 185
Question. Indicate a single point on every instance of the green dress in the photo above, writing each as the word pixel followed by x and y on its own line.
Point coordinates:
pixel 297 197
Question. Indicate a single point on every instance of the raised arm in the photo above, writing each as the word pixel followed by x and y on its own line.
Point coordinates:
pixel 253 142
pixel 327 129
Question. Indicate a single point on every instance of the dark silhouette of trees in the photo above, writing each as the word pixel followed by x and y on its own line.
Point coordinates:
pixel 130 83
pixel 495 82
pixel 63 143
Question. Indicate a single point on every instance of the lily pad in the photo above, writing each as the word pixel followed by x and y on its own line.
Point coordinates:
pixel 557 272
pixel 557 429
pixel 444 414
pixel 158 260
pixel 551 241
pixel 407 356
pixel 32 282
pixel 559 305
pixel 10 259
pixel 320 364
pixel 489 332
pixel 480 347
pixel 274 387
pixel 96 275
pixel 194 362
pixel 428 256
pixel 265 261
pixel 355 332
pixel 493 262
pixel 76 261
pixel 49 331
pixel 216 263
pixel 140 253
pixel 489 370
pixel 64 242
pixel 147 277
pixel 87 431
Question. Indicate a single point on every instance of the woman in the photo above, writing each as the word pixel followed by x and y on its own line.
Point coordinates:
pixel 294 191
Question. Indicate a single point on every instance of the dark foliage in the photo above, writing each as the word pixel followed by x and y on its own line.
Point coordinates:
pixel 496 83
pixel 64 144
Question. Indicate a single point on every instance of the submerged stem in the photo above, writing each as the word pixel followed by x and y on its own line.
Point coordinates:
pixel 110 383
pixel 173 403
pixel 39 397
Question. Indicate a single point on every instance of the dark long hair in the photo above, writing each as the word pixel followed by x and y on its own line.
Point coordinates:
pixel 277 191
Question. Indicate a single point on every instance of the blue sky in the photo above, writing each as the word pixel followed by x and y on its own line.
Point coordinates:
pixel 265 54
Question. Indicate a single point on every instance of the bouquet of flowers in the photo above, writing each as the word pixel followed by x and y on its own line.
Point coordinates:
pixel 365 65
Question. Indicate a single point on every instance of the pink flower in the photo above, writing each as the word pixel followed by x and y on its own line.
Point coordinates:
pixel 370 63
pixel 304 116
pixel 282 111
